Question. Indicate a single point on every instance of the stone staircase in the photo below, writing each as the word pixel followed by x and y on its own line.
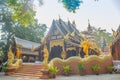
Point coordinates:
pixel 29 70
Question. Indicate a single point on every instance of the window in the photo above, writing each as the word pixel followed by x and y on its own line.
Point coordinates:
pixel 53 37
pixel 59 37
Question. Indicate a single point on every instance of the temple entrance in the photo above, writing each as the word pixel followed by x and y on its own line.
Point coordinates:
pixel 55 52
pixel 71 53
pixel 28 58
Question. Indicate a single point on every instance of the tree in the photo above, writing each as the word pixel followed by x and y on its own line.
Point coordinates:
pixel 102 37
pixel 22 10
pixel 34 32
pixel 71 5
pixel 10 28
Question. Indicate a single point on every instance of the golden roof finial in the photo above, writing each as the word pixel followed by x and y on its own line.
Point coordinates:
pixel 32 48
pixel 43 40
pixel 74 24
pixel 73 33
pixel 88 23
pixel 59 16
pixel 66 36
pixel 114 33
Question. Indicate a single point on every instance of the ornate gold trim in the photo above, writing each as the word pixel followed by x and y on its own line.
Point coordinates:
pixel 71 48
pixel 59 42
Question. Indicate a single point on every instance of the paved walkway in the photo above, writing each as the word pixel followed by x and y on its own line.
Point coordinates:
pixel 86 77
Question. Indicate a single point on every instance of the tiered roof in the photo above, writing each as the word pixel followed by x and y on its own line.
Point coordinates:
pixel 27 46
pixel 117 38
pixel 64 29
pixel 26 43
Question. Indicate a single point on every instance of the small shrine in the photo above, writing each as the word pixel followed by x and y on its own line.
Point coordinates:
pixel 89 35
pixel 26 49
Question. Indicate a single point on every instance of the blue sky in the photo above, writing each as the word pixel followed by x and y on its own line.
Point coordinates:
pixel 102 13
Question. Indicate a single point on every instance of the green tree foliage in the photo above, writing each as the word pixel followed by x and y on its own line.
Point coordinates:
pixel 1 56
pixel 7 24
pixel 10 28
pixel 22 10
pixel 102 37
pixel 71 5
pixel 32 33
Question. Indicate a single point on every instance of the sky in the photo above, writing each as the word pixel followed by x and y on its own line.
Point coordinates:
pixel 101 13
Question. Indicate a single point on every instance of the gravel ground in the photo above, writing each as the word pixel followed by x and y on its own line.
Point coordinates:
pixel 86 77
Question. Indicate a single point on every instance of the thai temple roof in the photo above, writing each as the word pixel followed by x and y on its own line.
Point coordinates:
pixel 118 30
pixel 117 38
pixel 64 27
pixel 26 43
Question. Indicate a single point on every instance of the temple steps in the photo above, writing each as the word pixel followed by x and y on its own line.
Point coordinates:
pixel 29 70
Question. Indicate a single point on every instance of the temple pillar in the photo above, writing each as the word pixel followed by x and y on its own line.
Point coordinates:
pixel 116 52
pixel 28 58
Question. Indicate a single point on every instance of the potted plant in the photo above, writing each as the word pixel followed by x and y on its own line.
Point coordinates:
pixel 81 68
pixel 53 70
pixel 3 69
pixel 110 68
pixel 66 70
pixel 95 68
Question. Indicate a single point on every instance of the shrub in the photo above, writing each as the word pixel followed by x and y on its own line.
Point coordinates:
pixel 80 67
pixel 110 68
pixel 95 67
pixel 4 67
pixel 1 55
pixel 66 70
pixel 53 69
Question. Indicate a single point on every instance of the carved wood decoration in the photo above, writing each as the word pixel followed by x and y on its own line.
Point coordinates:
pixel 59 42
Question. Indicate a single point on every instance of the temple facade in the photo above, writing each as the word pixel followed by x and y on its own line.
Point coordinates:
pixel 63 39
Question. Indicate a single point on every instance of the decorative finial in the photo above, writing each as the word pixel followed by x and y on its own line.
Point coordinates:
pixel 88 22
pixel 32 48
pixel 68 20
pixel 59 16
pixel 74 23
pixel 114 33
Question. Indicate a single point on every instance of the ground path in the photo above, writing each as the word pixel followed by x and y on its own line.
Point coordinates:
pixel 86 77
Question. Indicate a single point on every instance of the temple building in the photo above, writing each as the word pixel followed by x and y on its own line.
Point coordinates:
pixel 63 39
pixel 88 34
pixel 116 45
pixel 26 49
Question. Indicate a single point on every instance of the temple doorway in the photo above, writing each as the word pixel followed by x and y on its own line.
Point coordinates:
pixel 55 52
pixel 71 53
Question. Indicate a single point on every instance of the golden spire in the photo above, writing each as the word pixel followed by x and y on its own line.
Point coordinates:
pixel 114 33
pixel 59 17
pixel 43 40
pixel 88 23
pixel 74 24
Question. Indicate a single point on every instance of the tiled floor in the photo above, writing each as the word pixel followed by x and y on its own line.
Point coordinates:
pixel 86 77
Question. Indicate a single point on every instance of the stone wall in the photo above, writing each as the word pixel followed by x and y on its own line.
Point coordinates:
pixel 102 61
